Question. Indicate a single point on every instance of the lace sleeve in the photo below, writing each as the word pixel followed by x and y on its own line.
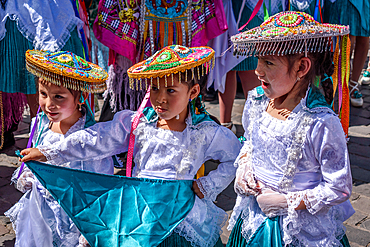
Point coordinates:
pixel 94 143
pixel 330 149
pixel 224 147
pixel 245 116
pixel 25 180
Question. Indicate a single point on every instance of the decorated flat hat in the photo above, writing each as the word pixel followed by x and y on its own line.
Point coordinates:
pixel 63 68
pixel 288 32
pixel 293 32
pixel 172 60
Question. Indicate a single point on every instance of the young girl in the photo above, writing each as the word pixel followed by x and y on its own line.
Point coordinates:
pixel 172 140
pixel 293 179
pixel 37 218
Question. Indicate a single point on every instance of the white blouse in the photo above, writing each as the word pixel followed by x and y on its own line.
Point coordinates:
pixel 164 154
pixel 304 157
pixel 37 218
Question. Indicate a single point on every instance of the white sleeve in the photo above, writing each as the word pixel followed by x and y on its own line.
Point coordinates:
pixel 329 146
pixel 94 143
pixel 224 147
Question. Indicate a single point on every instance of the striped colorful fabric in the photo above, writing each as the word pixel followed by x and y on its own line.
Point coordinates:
pixel 116 26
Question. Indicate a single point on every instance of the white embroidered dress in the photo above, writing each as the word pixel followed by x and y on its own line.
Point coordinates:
pixel 164 154
pixel 37 218
pixel 304 157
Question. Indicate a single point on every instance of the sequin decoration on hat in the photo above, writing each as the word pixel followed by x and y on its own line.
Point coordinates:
pixel 174 59
pixel 66 69
pixel 293 32
pixel 288 32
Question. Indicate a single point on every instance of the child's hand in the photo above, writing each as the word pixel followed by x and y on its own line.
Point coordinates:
pixel 32 154
pixel 245 183
pixel 272 203
pixel 197 190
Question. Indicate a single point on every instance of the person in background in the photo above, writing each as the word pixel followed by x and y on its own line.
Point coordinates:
pixel 354 13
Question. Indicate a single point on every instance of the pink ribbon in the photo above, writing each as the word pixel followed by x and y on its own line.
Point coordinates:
pixel 134 124
pixel 255 11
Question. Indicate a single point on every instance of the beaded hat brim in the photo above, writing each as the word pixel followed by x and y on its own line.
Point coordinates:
pixel 288 32
pixel 171 60
pixel 293 32
pixel 66 69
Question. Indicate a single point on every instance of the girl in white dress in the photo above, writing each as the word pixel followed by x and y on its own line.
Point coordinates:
pixel 173 138
pixel 38 219
pixel 293 179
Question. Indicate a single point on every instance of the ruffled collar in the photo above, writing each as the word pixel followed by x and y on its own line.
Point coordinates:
pixel 81 123
pixel 313 102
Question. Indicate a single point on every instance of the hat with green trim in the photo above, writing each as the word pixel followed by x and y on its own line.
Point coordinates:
pixel 63 68
pixel 173 59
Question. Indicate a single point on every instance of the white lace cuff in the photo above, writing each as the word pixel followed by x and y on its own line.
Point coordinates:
pixel 51 154
pixel 206 188
pixel 313 201
pixel 202 227
pixel 291 224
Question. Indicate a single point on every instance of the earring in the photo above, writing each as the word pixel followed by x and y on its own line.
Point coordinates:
pixel 79 107
pixel 177 117
pixel 298 78
pixel 190 100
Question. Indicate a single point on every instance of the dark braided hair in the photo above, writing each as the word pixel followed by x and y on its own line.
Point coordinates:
pixel 322 66
pixel 203 88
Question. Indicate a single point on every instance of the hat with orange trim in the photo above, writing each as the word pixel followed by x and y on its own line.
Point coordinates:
pixel 194 62
pixel 64 68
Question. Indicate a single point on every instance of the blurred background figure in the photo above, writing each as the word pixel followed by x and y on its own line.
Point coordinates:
pixel 354 13
pixel 24 25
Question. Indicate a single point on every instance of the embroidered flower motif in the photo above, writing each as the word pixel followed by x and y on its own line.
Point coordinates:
pixel 181 49
pixel 139 69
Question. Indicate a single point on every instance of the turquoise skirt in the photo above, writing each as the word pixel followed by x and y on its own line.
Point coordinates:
pixel 249 63
pixel 176 240
pixel 14 77
pixel 268 234
pixel 355 13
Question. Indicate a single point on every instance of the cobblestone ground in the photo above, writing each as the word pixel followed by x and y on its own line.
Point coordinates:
pixel 358 226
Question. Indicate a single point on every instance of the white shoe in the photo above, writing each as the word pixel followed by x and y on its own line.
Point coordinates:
pixel 365 80
pixel 230 126
pixel 355 95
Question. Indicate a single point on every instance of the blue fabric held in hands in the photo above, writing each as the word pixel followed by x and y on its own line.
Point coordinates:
pixel 115 210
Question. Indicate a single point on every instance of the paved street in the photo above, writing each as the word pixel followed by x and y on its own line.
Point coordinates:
pixel 358 226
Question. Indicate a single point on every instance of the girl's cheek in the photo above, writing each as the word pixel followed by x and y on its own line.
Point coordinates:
pixel 41 102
